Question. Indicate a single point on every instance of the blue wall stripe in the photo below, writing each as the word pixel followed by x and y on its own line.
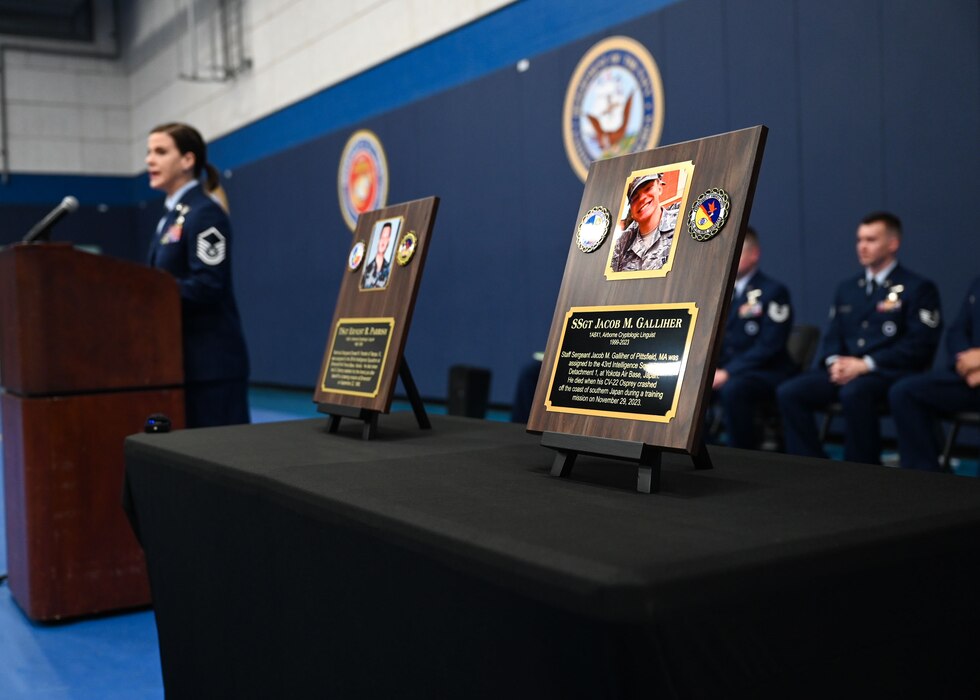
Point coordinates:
pixel 521 30
pixel 90 190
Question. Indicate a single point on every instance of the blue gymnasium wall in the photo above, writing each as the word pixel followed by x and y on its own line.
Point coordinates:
pixel 870 104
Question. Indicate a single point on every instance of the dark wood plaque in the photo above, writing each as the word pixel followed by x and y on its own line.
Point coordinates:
pixel 631 352
pixel 370 325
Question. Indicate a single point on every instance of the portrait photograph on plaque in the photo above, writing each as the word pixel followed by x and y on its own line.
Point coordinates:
pixel 639 316
pixel 650 212
pixel 363 360
pixel 380 251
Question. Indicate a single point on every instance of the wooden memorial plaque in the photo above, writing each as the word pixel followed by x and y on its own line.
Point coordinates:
pixel 639 318
pixel 370 325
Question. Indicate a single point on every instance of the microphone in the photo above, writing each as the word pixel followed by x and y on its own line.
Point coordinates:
pixel 42 229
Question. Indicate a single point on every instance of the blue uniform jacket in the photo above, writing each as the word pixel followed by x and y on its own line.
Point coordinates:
pixel 758 326
pixel 194 246
pixel 964 333
pixel 898 325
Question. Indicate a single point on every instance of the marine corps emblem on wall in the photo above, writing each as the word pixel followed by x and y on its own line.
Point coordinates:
pixel 362 179
pixel 614 104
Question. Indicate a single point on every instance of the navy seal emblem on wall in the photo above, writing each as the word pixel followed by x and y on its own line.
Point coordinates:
pixel 614 103
pixel 362 178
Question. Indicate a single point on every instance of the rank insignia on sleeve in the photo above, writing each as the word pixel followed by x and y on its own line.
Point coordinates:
pixel 929 318
pixel 778 312
pixel 211 247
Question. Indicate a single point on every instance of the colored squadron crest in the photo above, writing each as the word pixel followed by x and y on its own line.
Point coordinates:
pixel 614 104
pixel 362 179
pixel 708 214
pixel 593 229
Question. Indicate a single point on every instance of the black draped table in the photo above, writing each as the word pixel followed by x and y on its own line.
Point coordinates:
pixel 288 562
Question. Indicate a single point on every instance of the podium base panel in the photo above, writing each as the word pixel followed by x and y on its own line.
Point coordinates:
pixel 70 549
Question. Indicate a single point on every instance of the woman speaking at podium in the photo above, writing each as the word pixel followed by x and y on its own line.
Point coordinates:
pixel 192 242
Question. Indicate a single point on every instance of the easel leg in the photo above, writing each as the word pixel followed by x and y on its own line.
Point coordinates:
pixel 648 471
pixel 336 412
pixel 413 396
pixel 701 458
pixel 564 461
pixel 370 428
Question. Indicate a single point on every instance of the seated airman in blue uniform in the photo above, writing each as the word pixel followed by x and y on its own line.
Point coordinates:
pixel 884 324
pixel 916 401
pixel 753 357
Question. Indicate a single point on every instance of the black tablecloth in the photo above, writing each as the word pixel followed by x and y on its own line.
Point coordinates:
pixel 289 562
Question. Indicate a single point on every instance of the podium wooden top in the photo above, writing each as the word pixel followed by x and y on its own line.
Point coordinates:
pixel 74 322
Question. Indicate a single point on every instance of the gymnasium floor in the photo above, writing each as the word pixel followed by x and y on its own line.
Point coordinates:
pixel 115 656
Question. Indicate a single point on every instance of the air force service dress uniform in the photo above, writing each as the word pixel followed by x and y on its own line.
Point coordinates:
pixel 634 253
pixel 896 325
pixel 193 244
pixel 917 400
pixel 753 353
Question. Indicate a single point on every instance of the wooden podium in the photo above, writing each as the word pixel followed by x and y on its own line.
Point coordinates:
pixel 89 347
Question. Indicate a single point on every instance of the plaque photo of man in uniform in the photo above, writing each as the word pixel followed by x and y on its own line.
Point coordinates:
pixel 653 201
pixel 380 252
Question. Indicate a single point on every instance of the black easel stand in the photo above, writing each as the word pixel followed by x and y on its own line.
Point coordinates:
pixel 370 417
pixel 648 457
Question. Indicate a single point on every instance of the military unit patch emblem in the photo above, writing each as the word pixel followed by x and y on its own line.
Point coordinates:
pixel 593 229
pixel 356 256
pixel 708 214
pixel 406 249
